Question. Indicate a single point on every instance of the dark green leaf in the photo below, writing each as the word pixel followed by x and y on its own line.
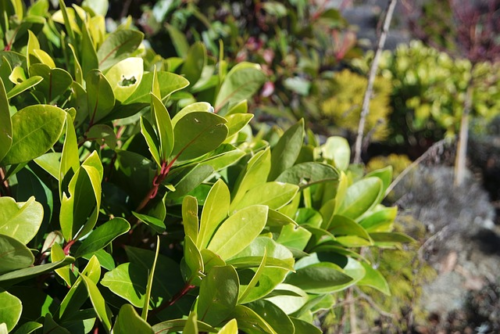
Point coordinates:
pixel 26 273
pixel 218 295
pixel 273 315
pixel 5 122
pixel 373 278
pixel 319 278
pixel 177 325
pixel 55 82
pixel 286 151
pixel 308 173
pixel 361 197
pixel 195 62
pixel 100 96
pixel 102 236
pixel 13 255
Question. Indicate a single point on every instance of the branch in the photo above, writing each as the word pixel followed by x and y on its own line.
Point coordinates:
pixel 371 80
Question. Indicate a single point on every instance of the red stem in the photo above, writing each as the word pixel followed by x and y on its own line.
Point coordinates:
pixel 67 247
pixel 187 287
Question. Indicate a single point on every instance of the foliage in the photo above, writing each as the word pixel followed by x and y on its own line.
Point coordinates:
pixel 134 200
pixel 344 107
pixel 429 89
pixel 398 162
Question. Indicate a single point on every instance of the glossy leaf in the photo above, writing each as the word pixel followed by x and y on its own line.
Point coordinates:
pixel 288 297
pixel 13 255
pixel 230 328
pixel 151 138
pixel 385 175
pixel 195 62
pixel 164 126
pixel 250 321
pixel 198 133
pixel 303 327
pixel 286 151
pixel 275 195
pixel 10 309
pixel 70 162
pixel 21 220
pixel 177 325
pixel 27 273
pixel 254 175
pixel 5 123
pixel 373 278
pixel 216 208
pixel 35 130
pixel 308 173
pixel 238 231
pixel 348 232
pixel 28 327
pixel 98 302
pixel 102 236
pixel 277 255
pixel 319 278
pixel 125 76
pixel 190 217
pixel 240 84
pixel 57 254
pixel 118 46
pixel 23 86
pixel 337 149
pixel 379 221
pixel 168 82
pixel 191 326
pixel 100 96
pixel 55 81
pixel 218 295
pixel 156 224
pixel 149 286
pixel 273 315
pixel 193 258
pixel 361 197
pixel 390 239
pixel 236 122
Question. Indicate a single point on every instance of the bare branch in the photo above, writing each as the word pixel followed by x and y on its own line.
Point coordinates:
pixel 371 80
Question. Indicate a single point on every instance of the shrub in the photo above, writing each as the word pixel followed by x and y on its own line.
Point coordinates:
pixel 128 205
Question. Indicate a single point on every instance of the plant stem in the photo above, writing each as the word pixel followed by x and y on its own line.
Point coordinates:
pixel 460 161
pixel 371 80
pixel 67 247
pixel 4 183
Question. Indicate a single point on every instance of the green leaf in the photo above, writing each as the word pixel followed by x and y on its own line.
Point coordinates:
pixel 28 327
pixel 216 208
pixel 191 326
pixel 273 194
pixel 103 236
pixel 337 150
pixel 303 327
pixel 52 327
pixel 118 46
pixel 295 237
pixel 190 217
pixel 78 294
pixel 70 162
pixel 195 62
pixel 273 315
pixel 149 135
pixel 156 224
pixel 5 123
pixel 57 254
pixel 178 325
pixel 238 231
pixel 373 278
pixel 286 151
pixel 100 96
pixel 254 175
pixel 125 76
pixel 198 133
pixel 254 281
pixel 361 197
pixel 380 220
pixel 385 175
pixel 10 309
pixel 21 220
pixel 218 295
pixel 55 81
pixel 192 179
pixel 240 84
pixel 168 82
pixel 23 86
pixel 88 58
pixel 98 302
pixel 348 232
pixel 164 126
pixel 278 256
pixel 237 122
pixel 288 297
pixel 27 273
pixel 278 219
pixel 13 255
pixel 230 328
pixel 308 173
pixel 100 7
pixel 251 322
pixel 323 277
pixel 193 258
pixel 129 280
pixel 149 286
pixel 35 130
pixel 179 40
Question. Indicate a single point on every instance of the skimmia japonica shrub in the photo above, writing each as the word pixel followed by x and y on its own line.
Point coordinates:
pixel 135 197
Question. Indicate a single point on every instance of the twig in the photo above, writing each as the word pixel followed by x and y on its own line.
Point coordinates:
pixel 371 80
pixel 414 164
